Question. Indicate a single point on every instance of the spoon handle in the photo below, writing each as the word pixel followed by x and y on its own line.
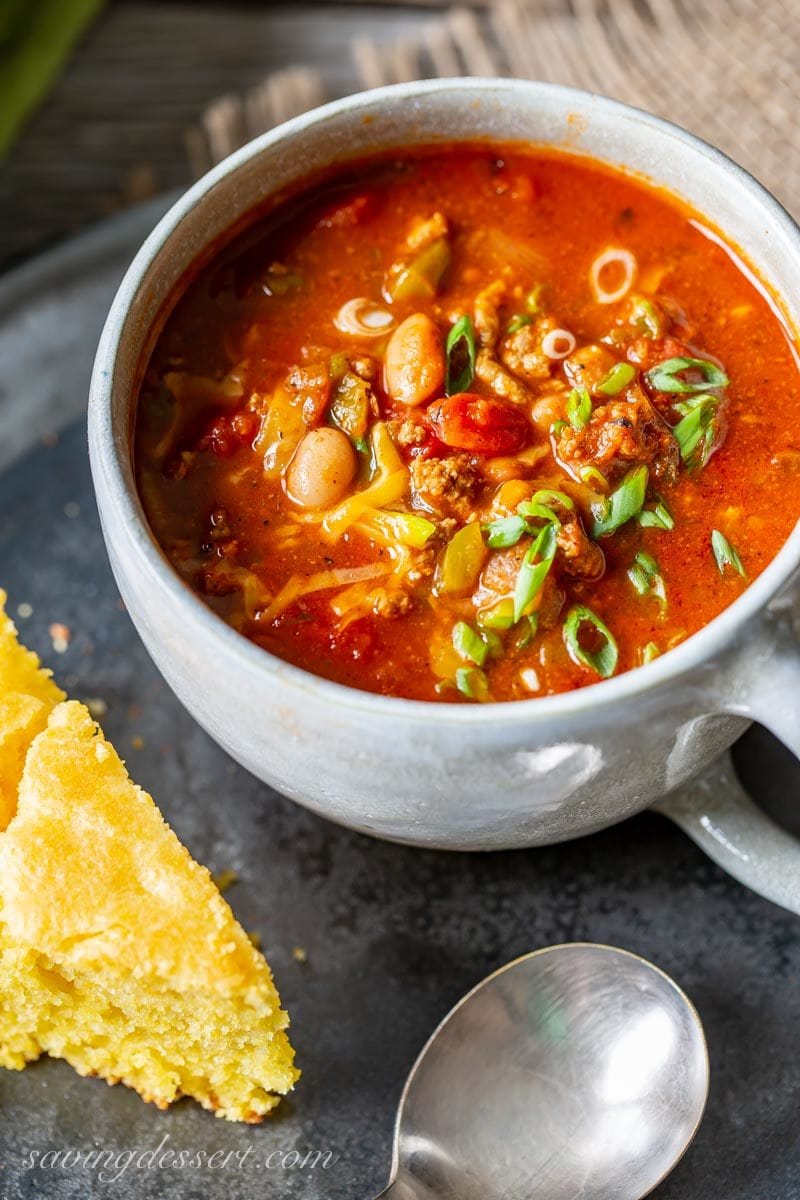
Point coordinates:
pixel 400 1189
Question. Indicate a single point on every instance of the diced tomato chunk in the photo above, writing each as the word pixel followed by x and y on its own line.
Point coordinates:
pixel 226 434
pixel 646 352
pixel 220 438
pixel 344 214
pixel 245 425
pixel 432 447
pixel 479 425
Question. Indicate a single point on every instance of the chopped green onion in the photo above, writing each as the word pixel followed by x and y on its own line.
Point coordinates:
pixel 539 505
pixel 639 579
pixel 532 574
pixel 625 502
pixel 472 682
pixel 533 299
pixel 549 496
pixel 558 427
pixel 518 321
pixel 645 315
pixel 657 517
pixel 362 445
pixel 695 432
pixel 648 563
pixel 494 643
pixel 726 554
pixel 649 652
pixel 665 377
pixel 542 512
pixel 617 378
pixel 602 661
pixel 646 577
pixel 505 532
pixel 462 332
pixel 702 400
pixel 469 644
pixel 499 616
pixel 591 475
pixel 527 631
pixel 579 408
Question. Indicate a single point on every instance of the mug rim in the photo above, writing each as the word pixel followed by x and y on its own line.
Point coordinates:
pixel 109 447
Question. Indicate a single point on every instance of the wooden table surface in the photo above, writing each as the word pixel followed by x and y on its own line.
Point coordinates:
pixel 113 127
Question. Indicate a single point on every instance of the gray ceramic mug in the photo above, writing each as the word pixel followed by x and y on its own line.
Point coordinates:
pixel 458 776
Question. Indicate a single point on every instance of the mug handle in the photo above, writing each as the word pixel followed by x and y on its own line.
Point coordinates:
pixel 717 814
pixel 763 684
pixel 766 683
pixel 714 810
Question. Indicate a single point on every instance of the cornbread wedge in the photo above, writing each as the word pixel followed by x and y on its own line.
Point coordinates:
pixel 117 951
pixel 27 697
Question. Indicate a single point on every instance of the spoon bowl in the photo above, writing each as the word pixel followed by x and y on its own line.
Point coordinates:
pixel 576 1071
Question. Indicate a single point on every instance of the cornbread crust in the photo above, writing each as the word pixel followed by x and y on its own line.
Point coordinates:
pixel 27 696
pixel 117 951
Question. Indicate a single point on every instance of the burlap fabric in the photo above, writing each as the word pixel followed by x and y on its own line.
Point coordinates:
pixel 728 70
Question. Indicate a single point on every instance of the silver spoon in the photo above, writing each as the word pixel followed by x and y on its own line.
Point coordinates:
pixel 578 1071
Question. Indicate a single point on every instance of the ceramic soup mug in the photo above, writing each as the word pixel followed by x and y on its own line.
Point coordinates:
pixel 475 777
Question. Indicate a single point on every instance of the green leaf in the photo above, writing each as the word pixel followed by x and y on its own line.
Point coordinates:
pixel 460 348
pixel 625 502
pixel 726 554
pixel 603 661
pixel 666 376
pixel 37 38
pixel 533 571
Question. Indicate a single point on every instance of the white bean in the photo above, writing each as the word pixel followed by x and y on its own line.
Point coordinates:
pixel 548 409
pixel 322 469
pixel 414 361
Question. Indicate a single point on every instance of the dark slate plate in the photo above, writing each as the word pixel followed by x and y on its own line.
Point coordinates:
pixel 394 936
